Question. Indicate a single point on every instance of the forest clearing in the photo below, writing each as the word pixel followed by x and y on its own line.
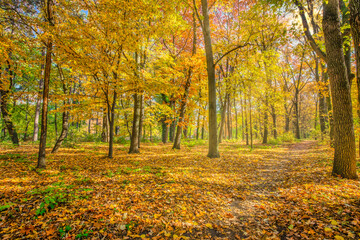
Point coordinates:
pixel 272 192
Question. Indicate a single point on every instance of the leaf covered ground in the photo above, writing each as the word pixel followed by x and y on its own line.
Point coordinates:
pixel 271 192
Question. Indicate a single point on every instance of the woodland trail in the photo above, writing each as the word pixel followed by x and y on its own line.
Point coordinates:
pixel 274 171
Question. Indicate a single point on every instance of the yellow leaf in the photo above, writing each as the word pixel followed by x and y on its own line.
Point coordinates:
pixel 328 229
pixel 339 237
pixel 209 225
pixel 333 222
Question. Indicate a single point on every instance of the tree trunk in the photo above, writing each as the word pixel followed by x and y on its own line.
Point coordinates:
pixel 141 123
pixel 38 104
pixel 134 145
pixel 266 125
pixel 236 120
pixel 229 120
pixel 104 132
pixel 322 108
pixel 26 120
pixel 242 119
pixel 297 115
pixel 344 139
pixel 165 130
pixel 6 115
pixel 251 127
pixel 198 125
pixel 173 123
pixel 273 115
pixel 64 131
pixel 354 6
pixel 203 129
pixel 213 141
pixel 246 122
pixel 42 146
pixel 111 118
pixel 185 96
pixel 223 116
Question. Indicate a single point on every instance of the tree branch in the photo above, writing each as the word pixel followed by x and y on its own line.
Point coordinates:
pixel 230 51
pixel 308 35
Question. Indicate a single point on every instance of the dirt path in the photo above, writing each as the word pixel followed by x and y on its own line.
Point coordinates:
pixel 273 171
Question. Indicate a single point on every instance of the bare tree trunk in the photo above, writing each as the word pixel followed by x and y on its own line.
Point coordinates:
pixel 38 104
pixel 64 131
pixel 322 105
pixel 6 115
pixel 297 115
pixel 246 122
pixel 55 122
pixel 26 120
pixel 203 128
pixel 198 125
pixel 251 126
pixel 273 115
pixel 229 120
pixel 165 130
pixel 134 145
pixel 236 120
pixel 242 118
pixel 354 6
pixel 266 125
pixel 104 132
pixel 344 157
pixel 213 141
pixel 42 146
pixel 4 97
pixel 111 118
pixel 173 123
pixel 141 123
pixel 223 116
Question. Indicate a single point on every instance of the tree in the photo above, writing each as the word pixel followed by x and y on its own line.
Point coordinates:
pixel 48 11
pixel 344 138
pixel 213 140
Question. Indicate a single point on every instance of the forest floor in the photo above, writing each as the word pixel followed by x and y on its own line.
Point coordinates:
pixel 271 192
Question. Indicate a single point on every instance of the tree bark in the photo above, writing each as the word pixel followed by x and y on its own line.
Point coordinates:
pixel 223 116
pixel 251 125
pixel 236 120
pixel 246 122
pixel 111 119
pixel 64 131
pixel 173 122
pixel 297 115
pixel 354 6
pixel 273 115
pixel 42 146
pixel 134 145
pixel 104 132
pixel 344 139
pixel 141 120
pixel 229 118
pixel 38 104
pixel 213 141
pixel 266 127
pixel 6 115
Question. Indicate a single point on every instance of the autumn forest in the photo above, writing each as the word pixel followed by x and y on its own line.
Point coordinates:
pixel 179 119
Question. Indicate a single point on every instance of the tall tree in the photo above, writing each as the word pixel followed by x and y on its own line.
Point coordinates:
pixel 213 141
pixel 344 138
pixel 49 45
